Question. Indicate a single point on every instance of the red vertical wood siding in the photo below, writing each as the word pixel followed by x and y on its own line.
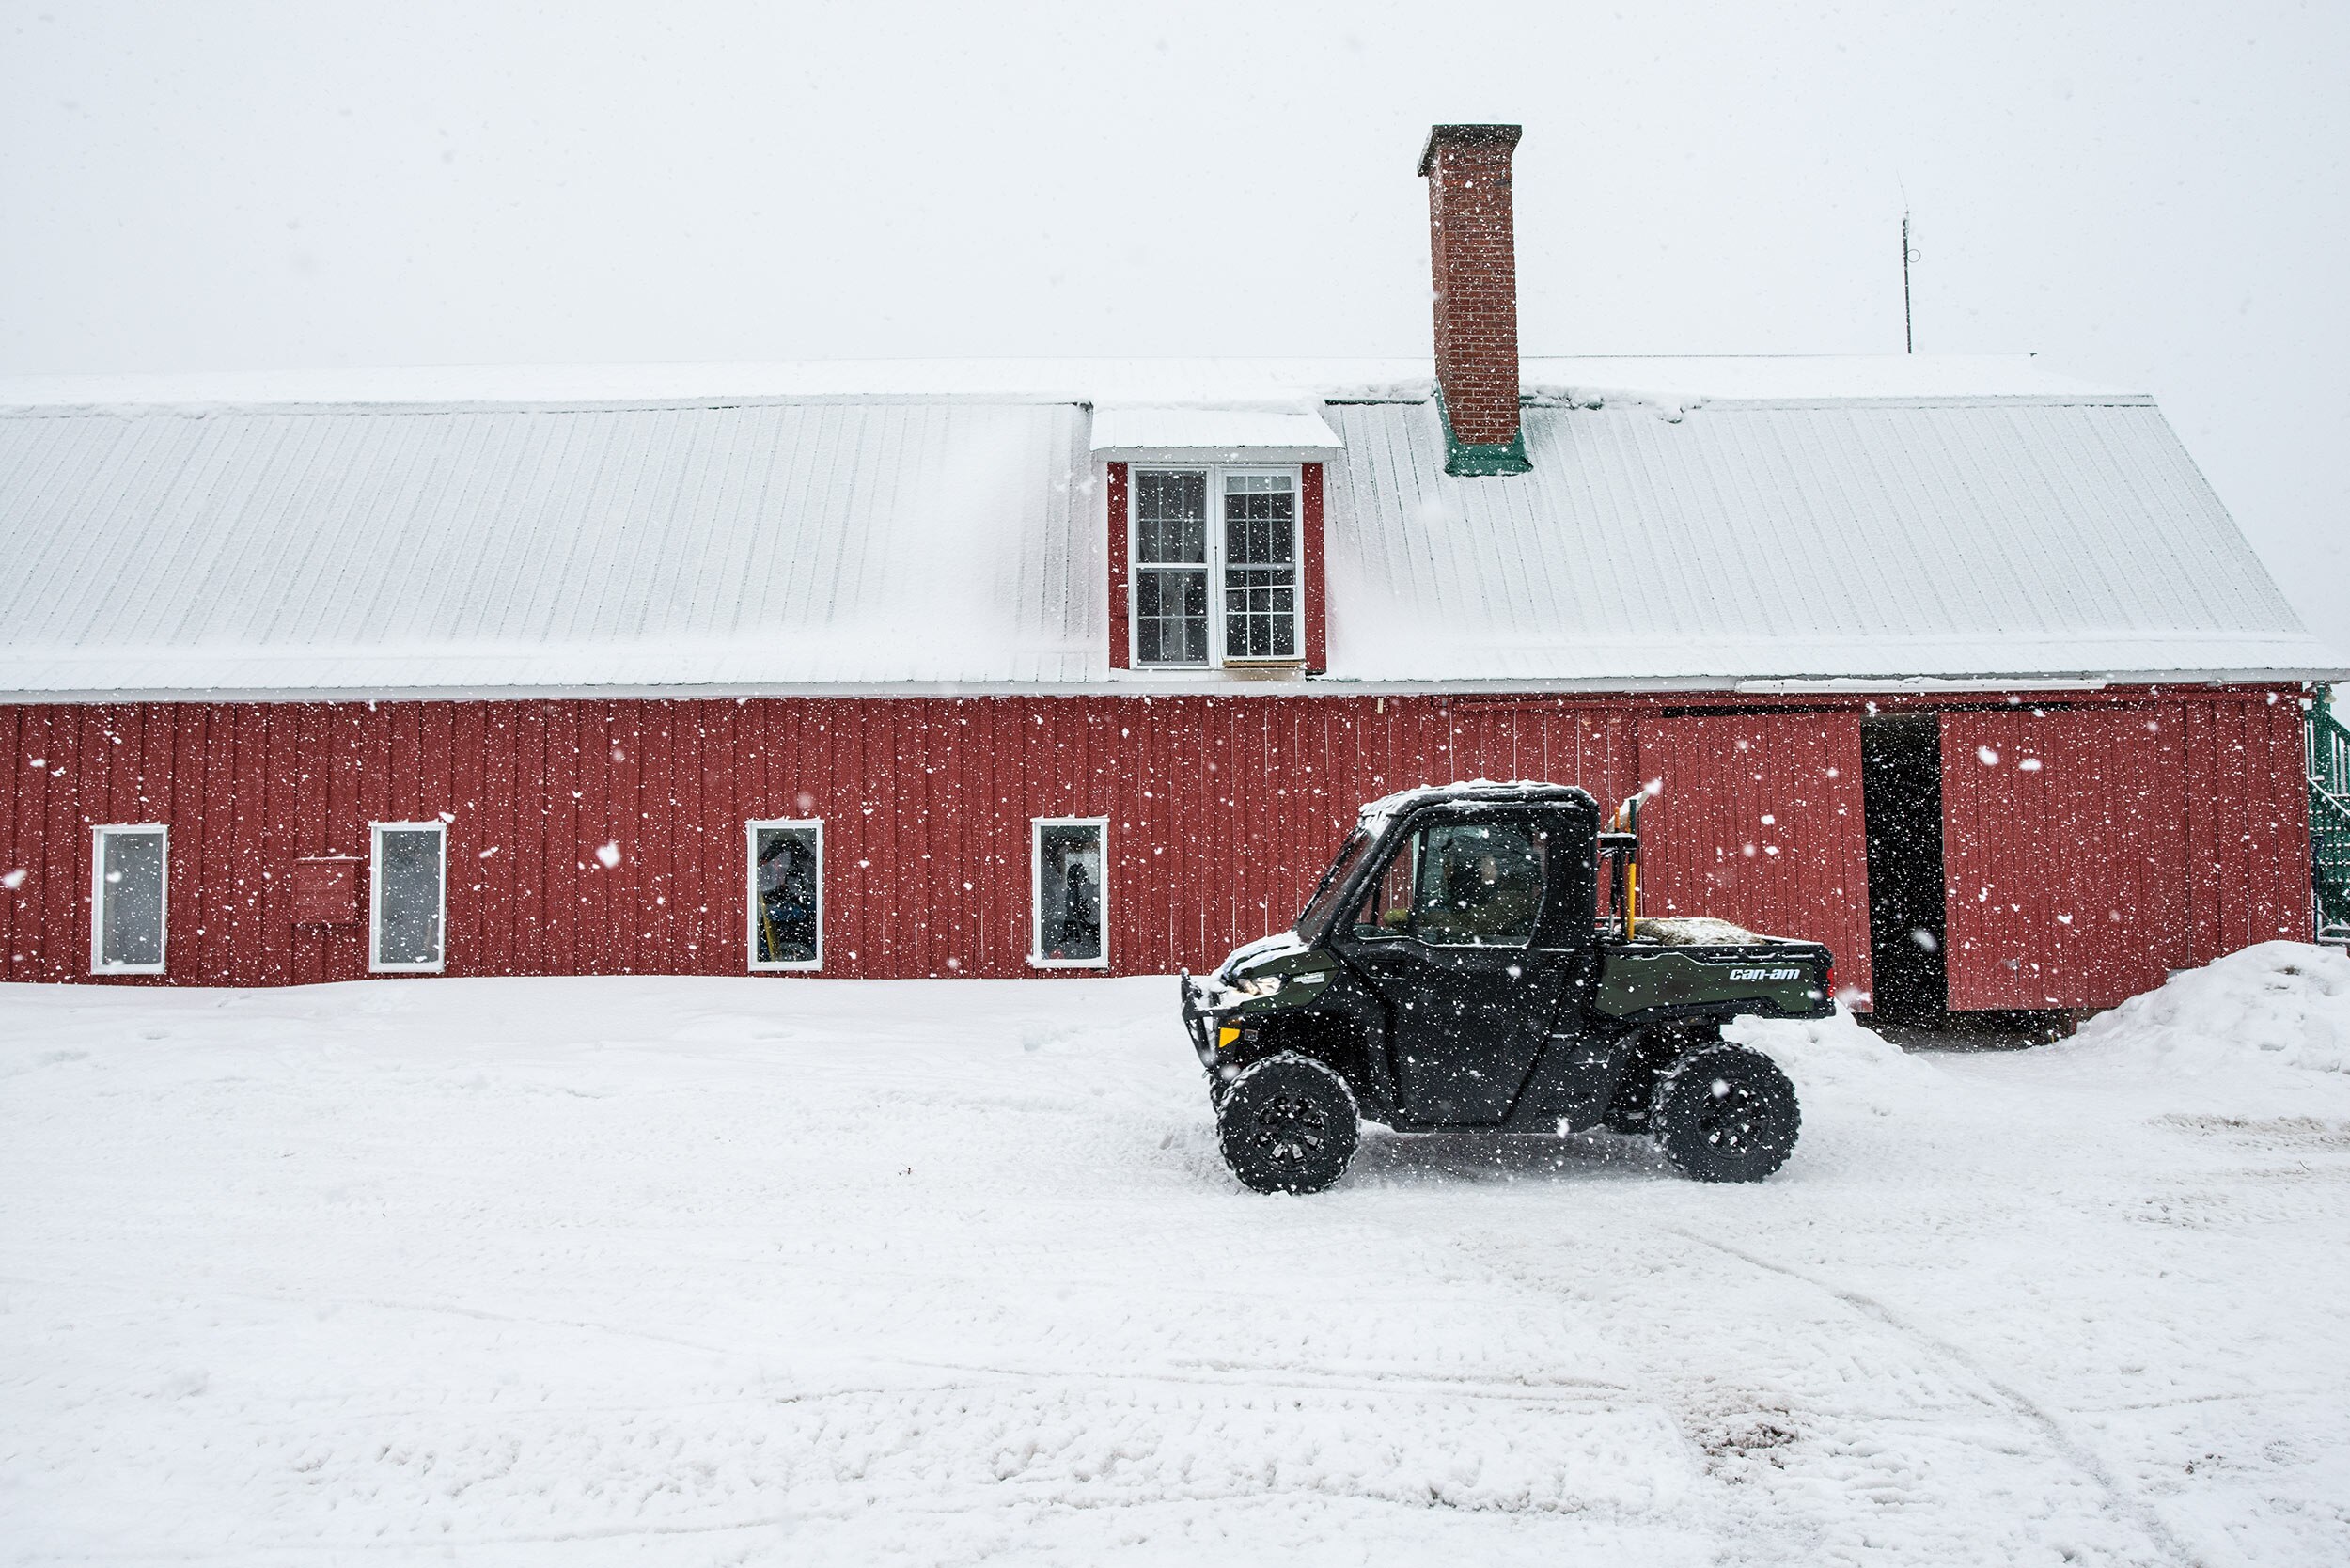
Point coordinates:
pixel 2064 854
pixel 1119 654
pixel 1222 812
pixel 1310 569
pixel 2247 826
pixel 1759 820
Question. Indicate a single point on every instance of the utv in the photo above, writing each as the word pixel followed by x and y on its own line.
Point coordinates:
pixel 1452 970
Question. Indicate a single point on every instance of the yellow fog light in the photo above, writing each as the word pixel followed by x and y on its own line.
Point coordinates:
pixel 1225 1036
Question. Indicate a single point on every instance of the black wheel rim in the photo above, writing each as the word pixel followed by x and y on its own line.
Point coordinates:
pixel 1290 1129
pixel 1731 1119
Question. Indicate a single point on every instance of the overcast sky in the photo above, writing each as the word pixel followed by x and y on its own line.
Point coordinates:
pixel 2150 195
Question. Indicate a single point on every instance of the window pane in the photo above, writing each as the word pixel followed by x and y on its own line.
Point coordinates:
pixel 1069 892
pixel 131 890
pixel 1259 567
pixel 1171 518
pixel 1172 617
pixel 1481 884
pixel 787 864
pixel 407 895
pixel 1387 909
pixel 1311 918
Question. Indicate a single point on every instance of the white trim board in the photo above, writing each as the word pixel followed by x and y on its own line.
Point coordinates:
pixel 99 833
pixel 750 914
pixel 1035 893
pixel 439 961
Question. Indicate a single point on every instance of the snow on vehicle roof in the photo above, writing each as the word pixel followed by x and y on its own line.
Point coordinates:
pixel 937 526
pixel 1390 806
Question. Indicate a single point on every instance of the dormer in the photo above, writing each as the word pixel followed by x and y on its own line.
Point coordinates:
pixel 1214 523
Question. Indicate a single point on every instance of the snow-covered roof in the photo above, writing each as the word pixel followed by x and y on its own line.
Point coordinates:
pixel 1816 539
pixel 1102 383
pixel 904 526
pixel 744 546
pixel 1212 434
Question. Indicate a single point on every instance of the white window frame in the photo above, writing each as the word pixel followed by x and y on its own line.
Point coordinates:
pixel 1218 656
pixel 439 961
pixel 1036 891
pixel 750 891
pixel 99 835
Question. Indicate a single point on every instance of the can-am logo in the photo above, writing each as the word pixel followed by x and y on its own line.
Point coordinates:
pixel 1766 974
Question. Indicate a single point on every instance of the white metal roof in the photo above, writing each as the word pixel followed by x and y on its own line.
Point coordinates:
pixel 936 527
pixel 1969 538
pixel 735 547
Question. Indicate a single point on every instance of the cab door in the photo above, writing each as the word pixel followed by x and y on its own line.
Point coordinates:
pixel 1447 939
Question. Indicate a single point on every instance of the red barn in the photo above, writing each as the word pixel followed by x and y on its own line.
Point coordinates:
pixel 989 667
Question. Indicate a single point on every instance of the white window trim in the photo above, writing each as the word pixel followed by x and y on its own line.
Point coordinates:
pixel 1135 567
pixel 750 889
pixel 375 899
pixel 99 835
pixel 1035 893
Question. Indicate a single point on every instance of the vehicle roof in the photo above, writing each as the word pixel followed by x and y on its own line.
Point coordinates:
pixel 1504 792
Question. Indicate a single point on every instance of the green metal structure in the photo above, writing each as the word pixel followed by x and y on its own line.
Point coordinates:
pixel 2329 816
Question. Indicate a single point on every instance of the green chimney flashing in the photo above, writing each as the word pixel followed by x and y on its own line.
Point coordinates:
pixel 1468 460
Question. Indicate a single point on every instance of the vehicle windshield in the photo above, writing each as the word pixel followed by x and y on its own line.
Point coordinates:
pixel 1320 908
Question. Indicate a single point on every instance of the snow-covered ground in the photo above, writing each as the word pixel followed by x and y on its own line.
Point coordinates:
pixel 744 1271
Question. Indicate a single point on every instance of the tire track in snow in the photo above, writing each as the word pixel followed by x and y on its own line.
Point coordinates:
pixel 2058 1435
pixel 1565 1393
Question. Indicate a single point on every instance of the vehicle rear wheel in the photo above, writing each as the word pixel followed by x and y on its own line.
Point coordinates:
pixel 1287 1124
pixel 1649 1053
pixel 1724 1113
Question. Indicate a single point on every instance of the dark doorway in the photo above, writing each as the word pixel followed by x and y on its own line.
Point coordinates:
pixel 1901 793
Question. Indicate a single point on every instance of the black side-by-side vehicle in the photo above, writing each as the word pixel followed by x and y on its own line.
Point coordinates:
pixel 1453 970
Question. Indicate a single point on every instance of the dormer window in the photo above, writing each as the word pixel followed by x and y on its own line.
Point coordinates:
pixel 1216 578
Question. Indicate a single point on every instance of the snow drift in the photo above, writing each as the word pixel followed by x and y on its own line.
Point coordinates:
pixel 2282 1004
pixel 1837 1060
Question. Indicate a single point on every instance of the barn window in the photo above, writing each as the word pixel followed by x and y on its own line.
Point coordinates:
pixel 1171 537
pixel 1260 566
pixel 1221 585
pixel 787 895
pixel 407 906
pixel 127 867
pixel 1071 902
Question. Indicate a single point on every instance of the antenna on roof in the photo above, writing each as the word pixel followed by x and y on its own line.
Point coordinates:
pixel 1909 333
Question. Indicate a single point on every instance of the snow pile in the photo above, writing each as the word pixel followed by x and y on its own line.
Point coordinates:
pixel 1837 1060
pixel 2281 1003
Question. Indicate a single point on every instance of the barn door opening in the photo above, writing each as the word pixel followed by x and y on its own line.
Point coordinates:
pixel 1901 775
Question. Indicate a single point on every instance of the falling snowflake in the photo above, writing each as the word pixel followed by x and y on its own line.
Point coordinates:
pixel 609 855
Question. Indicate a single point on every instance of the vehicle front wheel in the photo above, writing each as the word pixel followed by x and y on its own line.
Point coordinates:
pixel 1287 1124
pixel 1724 1113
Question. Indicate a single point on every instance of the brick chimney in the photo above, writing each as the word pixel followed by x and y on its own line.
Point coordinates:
pixel 1473 250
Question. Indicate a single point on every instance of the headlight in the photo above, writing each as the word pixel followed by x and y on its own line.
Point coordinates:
pixel 1257 986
